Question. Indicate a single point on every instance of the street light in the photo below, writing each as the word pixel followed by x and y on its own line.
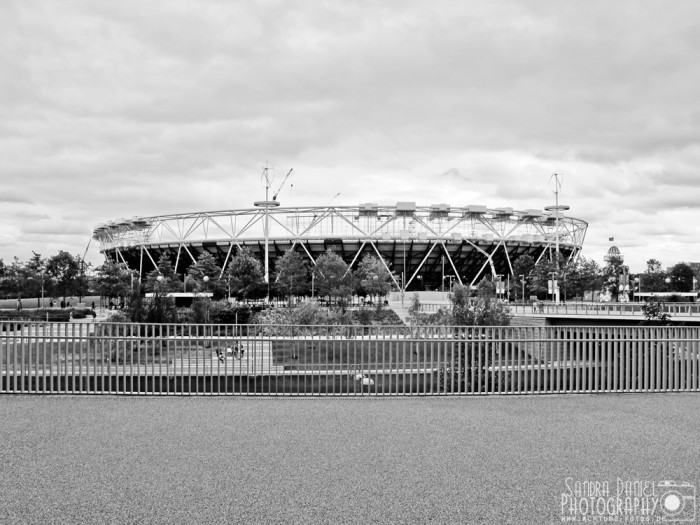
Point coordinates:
pixel 206 300
pixel 557 208
pixel 522 280
pixel 443 274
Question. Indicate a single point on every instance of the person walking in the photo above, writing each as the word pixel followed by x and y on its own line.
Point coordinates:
pixel 19 304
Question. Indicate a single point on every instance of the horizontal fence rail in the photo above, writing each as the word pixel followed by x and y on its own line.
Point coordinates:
pixel 176 359
pixel 603 309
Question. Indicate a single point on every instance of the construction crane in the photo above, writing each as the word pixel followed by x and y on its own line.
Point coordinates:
pixel 274 197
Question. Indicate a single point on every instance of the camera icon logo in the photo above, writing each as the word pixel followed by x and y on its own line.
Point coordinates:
pixel 677 502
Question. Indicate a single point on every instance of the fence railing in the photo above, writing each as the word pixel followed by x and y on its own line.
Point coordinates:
pixel 603 309
pixel 104 358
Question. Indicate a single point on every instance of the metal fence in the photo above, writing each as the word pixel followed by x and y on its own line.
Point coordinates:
pixel 165 359
pixel 603 309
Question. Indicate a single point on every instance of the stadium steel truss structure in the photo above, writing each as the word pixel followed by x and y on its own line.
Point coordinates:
pixel 421 245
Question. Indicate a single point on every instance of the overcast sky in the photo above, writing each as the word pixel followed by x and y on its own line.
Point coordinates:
pixel 119 108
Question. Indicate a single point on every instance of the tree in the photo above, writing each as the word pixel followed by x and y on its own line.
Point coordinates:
pixel 522 266
pixel 159 308
pixel 169 282
pixel 204 276
pixel 333 277
pixel 473 363
pixel 35 269
pixel 245 276
pixel 65 271
pixel 681 276
pixel 373 278
pixel 292 275
pixel 654 278
pixel 583 275
pixel 113 279
pixel 542 273
pixel 414 308
pixel 481 310
pixel 14 279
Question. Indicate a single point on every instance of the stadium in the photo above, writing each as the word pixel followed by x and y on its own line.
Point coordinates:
pixel 423 246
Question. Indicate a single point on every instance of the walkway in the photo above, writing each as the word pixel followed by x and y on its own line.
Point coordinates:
pixel 494 460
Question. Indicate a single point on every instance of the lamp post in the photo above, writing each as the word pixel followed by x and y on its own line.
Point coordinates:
pixel 205 279
pixel 522 281
pixel 443 274
pixel 557 208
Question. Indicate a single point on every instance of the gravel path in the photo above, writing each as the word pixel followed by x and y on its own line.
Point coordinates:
pixel 91 459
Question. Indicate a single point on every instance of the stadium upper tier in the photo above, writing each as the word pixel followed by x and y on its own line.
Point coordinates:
pixel 426 243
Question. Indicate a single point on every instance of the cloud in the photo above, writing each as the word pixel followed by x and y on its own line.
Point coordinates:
pixel 116 109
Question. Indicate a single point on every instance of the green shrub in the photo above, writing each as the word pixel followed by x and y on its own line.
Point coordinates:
pixel 118 316
pixel 310 313
pixel 81 313
pixel 364 316
pixel 274 316
pixel 226 313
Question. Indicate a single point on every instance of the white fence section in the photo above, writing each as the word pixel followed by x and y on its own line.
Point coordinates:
pixel 103 358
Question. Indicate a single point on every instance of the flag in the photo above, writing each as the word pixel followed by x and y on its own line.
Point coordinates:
pixel 612 239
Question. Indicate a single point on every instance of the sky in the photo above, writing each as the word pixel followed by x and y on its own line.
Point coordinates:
pixel 124 108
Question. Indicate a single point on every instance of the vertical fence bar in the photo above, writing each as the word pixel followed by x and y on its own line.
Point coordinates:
pixel 693 349
pixel 664 360
pixel 616 359
pixel 675 347
pixel 654 348
pixel 643 333
pixel 682 356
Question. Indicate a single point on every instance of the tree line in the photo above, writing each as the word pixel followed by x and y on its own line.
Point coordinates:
pixel 65 275
pixel 581 275
pixel 59 276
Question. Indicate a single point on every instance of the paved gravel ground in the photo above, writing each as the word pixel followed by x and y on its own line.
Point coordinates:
pixel 73 459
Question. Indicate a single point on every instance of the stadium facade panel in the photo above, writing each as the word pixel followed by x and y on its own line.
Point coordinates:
pixel 424 245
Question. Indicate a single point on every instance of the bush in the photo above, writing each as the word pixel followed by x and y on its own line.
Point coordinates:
pixel 118 316
pixel 310 313
pixel 654 314
pixel 54 315
pixel 274 316
pixel 226 313
pixel 81 313
pixel 364 316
